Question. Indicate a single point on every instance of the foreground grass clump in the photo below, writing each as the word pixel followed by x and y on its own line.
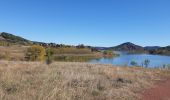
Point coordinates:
pixel 73 81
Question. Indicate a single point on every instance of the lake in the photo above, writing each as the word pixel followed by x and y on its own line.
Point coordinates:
pixel 125 60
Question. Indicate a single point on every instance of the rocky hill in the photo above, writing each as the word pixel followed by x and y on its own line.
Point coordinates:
pixel 128 46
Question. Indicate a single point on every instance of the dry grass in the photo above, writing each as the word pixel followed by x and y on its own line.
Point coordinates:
pixel 73 81
pixel 15 52
pixel 72 50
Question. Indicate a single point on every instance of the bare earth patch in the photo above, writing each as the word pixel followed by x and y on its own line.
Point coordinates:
pixel 161 91
pixel 73 81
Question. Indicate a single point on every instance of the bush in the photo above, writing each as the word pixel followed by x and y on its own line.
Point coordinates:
pixel 35 53
pixel 80 46
pixel 108 53
pixel 133 63
pixel 168 66
pixel 146 63
pixel 49 55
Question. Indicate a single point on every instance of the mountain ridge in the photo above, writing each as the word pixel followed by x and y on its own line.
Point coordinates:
pixel 127 46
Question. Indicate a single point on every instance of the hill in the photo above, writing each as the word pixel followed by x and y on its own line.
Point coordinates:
pixel 133 48
pixel 128 46
pixel 161 51
pixel 13 39
pixel 7 37
pixel 151 47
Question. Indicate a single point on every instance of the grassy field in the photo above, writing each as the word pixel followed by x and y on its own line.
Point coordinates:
pixel 15 52
pixel 73 81
pixel 18 52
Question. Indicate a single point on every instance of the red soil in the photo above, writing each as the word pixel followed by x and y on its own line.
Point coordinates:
pixel 160 92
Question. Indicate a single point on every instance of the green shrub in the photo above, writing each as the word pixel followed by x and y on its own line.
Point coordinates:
pixel 133 63
pixel 168 66
pixel 35 53
pixel 146 62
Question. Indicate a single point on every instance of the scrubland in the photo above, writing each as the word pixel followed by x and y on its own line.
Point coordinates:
pixel 21 80
pixel 18 53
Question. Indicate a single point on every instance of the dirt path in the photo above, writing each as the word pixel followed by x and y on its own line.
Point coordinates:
pixel 160 92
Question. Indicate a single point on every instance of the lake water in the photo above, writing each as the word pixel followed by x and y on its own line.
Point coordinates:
pixel 126 59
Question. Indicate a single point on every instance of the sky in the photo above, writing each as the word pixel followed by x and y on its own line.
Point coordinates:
pixel 90 22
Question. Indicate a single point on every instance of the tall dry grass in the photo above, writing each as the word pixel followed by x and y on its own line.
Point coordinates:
pixel 73 81
pixel 15 52
pixel 18 53
pixel 72 50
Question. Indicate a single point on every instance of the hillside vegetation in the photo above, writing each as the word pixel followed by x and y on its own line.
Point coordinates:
pixel 7 37
pixel 73 81
pixel 161 51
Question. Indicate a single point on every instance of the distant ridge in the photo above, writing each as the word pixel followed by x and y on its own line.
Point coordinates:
pixel 7 37
pixel 151 47
pixel 128 46
pixel 13 39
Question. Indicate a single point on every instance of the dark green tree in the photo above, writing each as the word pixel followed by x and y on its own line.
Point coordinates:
pixel 146 62
pixel 133 63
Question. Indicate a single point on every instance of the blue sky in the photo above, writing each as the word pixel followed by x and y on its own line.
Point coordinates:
pixel 91 22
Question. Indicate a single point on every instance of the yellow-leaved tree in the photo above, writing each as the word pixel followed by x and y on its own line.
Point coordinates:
pixel 35 53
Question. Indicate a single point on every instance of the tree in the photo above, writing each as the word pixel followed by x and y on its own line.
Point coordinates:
pixel 108 53
pixel 133 63
pixel 35 53
pixel 146 63
pixel 80 46
pixel 49 54
pixel 94 50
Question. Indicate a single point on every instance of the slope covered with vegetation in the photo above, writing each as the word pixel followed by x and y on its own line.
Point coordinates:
pixel 13 38
pixel 161 51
